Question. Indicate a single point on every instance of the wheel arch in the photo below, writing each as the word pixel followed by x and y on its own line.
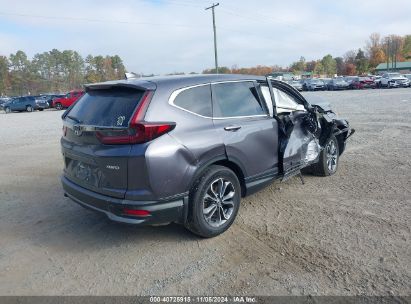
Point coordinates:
pixel 237 171
pixel 224 162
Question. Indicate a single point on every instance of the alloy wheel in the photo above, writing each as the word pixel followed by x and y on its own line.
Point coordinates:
pixel 218 202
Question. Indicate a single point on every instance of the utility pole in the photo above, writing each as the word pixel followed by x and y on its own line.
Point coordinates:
pixel 388 55
pixel 215 36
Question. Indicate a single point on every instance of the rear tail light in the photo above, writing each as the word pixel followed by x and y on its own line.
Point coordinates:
pixel 139 131
pixel 136 212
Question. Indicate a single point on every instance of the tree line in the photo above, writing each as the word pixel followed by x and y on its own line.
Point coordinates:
pixel 377 50
pixel 55 71
pixel 392 48
pixel 60 71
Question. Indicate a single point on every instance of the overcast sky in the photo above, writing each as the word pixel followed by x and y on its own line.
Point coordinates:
pixel 163 36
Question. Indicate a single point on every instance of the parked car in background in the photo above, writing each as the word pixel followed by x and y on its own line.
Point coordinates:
pixel 394 80
pixel 296 84
pixel 314 84
pixel 349 80
pixel 337 84
pixel 304 83
pixel 51 97
pixel 159 150
pixel 25 103
pixel 408 76
pixel 326 82
pixel 377 80
pixel 66 101
pixel 42 102
pixel 363 83
pixel 3 100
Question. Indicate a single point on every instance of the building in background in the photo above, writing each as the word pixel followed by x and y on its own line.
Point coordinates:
pixel 401 67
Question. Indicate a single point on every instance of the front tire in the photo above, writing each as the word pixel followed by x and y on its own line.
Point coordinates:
pixel 328 160
pixel 59 106
pixel 29 109
pixel 7 110
pixel 214 202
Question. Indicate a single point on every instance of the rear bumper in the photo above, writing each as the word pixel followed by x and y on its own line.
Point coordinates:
pixel 163 211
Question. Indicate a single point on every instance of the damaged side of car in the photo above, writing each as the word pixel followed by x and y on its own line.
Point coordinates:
pixel 311 136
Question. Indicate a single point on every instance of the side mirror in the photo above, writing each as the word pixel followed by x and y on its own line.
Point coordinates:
pixel 299 108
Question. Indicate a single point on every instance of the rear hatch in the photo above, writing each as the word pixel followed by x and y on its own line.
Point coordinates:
pixel 89 163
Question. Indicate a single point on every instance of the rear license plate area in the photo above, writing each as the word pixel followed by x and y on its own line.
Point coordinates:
pixel 83 172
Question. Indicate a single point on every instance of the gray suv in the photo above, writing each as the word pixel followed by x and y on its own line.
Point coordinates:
pixel 187 149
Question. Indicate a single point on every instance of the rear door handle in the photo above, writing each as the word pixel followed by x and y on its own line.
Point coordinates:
pixel 232 128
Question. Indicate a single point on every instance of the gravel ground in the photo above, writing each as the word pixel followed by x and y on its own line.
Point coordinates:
pixel 348 234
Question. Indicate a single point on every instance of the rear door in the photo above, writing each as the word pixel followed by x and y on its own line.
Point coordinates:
pixel 13 104
pixel 249 134
pixel 89 163
pixel 21 104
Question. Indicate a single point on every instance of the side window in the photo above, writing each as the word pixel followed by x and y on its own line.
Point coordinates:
pixel 196 100
pixel 233 99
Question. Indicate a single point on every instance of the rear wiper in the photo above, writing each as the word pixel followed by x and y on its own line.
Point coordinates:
pixel 74 118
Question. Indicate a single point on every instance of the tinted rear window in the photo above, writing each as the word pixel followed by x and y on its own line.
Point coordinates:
pixel 196 100
pixel 109 108
pixel 236 99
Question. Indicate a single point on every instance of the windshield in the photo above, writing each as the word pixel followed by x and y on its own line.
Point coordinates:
pixel 109 107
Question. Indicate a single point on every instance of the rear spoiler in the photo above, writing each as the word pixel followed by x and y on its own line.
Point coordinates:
pixel 131 75
pixel 133 84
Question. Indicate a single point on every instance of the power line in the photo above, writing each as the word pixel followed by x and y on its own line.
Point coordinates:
pixel 98 20
pixel 182 3
pixel 268 19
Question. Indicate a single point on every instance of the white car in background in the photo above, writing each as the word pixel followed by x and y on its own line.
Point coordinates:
pixel 394 80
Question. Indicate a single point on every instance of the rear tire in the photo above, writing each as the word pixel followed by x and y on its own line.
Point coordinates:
pixel 214 202
pixel 29 108
pixel 7 110
pixel 328 160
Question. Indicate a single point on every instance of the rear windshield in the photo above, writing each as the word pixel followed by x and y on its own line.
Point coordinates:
pixel 108 108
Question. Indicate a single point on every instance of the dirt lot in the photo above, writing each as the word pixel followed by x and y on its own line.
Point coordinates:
pixel 343 235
